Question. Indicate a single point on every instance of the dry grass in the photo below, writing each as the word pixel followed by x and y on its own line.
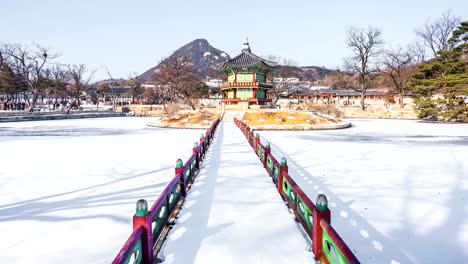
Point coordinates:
pixel 285 118
pixel 201 117
pixel 326 109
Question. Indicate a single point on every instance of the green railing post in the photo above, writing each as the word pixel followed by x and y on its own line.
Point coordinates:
pixel 283 170
pixel 141 219
pixel 320 212
pixel 179 168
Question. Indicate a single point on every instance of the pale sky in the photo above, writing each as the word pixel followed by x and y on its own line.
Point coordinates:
pixel 132 36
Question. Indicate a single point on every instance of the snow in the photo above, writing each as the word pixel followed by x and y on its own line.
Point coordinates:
pixel 206 54
pixel 397 190
pixel 68 188
pixel 233 213
pixel 223 54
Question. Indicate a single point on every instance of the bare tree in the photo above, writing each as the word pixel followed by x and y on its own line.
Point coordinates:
pixel 112 88
pixel 280 77
pixel 29 65
pixel 398 69
pixel 365 44
pixel 1 57
pixel 436 34
pixel 79 82
pixel 135 84
pixel 178 76
pixel 418 51
pixel 60 80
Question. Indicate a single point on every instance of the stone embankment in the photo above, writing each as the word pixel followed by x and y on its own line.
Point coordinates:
pixel 38 116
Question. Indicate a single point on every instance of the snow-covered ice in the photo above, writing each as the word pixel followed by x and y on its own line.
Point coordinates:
pixel 68 188
pixel 398 189
pixel 233 213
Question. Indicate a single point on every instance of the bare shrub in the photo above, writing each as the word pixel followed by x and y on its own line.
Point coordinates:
pixel 324 108
pixel 172 109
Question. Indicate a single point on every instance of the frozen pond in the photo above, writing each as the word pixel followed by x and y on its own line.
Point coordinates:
pixel 68 188
pixel 398 189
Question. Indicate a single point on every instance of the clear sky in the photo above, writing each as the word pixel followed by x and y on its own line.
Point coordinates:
pixel 132 36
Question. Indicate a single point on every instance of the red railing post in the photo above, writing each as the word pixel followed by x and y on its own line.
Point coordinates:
pixel 267 152
pixel 208 135
pixel 141 218
pixel 283 170
pixel 202 139
pixel 320 212
pixel 196 150
pixel 257 142
pixel 251 136
pixel 179 168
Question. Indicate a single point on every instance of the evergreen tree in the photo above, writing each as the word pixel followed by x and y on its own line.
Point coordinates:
pixel 441 84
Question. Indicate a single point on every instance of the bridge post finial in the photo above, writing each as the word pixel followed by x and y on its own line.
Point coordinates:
pixel 142 219
pixel 320 212
pixel 179 169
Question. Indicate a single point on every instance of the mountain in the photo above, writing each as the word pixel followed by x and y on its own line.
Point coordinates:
pixel 205 57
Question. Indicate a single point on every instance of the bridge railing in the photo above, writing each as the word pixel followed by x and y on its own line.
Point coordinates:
pixel 327 245
pixel 148 225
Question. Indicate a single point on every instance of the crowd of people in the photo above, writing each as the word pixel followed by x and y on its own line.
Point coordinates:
pixel 22 105
pixel 13 105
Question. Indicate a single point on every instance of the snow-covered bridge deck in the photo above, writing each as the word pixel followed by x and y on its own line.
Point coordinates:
pixel 233 212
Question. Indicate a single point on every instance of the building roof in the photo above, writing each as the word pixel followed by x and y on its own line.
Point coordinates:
pixel 247 59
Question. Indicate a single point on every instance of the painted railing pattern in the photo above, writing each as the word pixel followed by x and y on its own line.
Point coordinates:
pixel 148 225
pixel 327 245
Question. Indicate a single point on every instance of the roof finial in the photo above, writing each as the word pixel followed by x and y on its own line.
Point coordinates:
pixel 246 47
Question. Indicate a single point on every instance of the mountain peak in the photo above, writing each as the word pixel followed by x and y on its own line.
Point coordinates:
pixel 205 57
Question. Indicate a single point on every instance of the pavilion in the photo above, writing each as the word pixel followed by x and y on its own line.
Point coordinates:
pixel 246 81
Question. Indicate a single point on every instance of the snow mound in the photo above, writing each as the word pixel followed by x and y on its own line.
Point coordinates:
pixel 206 54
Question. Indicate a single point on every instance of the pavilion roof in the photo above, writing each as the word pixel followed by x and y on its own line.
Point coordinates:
pixel 247 59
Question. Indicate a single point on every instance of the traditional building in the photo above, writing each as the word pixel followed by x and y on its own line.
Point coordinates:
pixel 246 80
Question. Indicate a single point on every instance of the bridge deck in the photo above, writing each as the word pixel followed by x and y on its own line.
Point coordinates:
pixel 233 214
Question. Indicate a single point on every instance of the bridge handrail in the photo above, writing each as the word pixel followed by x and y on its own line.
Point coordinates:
pixel 314 219
pixel 149 224
pixel 131 246
pixel 331 239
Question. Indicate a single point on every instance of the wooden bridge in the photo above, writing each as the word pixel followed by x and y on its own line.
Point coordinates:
pixel 223 199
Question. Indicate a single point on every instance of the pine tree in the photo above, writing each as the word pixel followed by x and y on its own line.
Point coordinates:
pixel 441 84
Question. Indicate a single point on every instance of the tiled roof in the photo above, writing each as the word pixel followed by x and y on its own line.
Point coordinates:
pixel 246 59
